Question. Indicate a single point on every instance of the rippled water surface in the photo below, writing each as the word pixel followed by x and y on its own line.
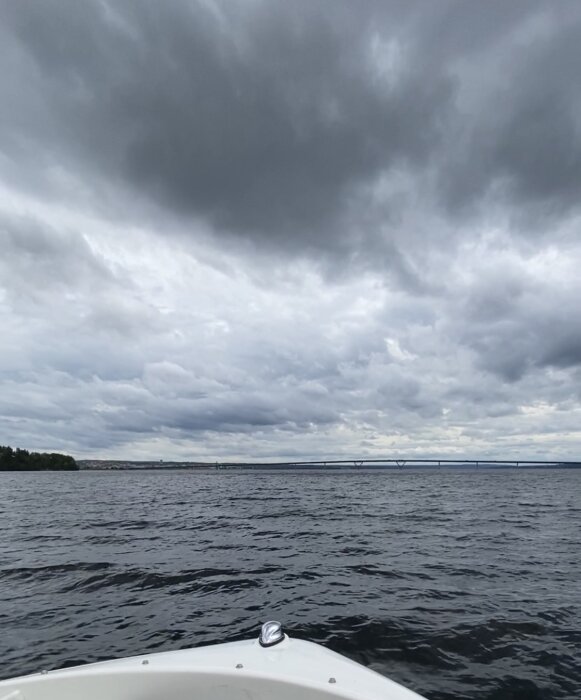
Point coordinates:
pixel 458 584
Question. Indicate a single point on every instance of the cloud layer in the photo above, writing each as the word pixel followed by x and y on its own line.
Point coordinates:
pixel 261 229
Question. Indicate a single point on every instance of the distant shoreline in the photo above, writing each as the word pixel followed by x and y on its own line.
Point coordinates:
pixel 127 465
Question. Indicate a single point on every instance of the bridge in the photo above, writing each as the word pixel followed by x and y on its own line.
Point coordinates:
pixel 400 463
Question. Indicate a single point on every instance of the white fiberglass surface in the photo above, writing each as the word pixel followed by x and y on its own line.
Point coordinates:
pixel 168 686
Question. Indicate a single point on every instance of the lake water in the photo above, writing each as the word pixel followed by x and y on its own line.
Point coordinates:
pixel 457 584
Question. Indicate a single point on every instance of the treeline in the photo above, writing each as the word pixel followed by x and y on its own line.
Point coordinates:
pixel 24 461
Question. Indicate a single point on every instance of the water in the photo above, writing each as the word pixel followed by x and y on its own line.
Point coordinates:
pixel 457 584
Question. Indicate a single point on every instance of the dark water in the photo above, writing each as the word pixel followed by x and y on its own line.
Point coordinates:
pixel 460 585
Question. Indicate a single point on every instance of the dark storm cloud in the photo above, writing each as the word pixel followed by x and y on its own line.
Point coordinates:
pixel 271 120
pixel 524 141
pixel 265 118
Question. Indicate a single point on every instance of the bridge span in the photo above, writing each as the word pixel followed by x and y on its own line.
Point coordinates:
pixel 400 463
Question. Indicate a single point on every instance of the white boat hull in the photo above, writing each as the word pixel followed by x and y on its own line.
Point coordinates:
pixel 290 670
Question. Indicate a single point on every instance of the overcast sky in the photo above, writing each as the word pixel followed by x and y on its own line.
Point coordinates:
pixel 268 229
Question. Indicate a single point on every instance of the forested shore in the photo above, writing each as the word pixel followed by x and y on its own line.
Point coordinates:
pixel 18 460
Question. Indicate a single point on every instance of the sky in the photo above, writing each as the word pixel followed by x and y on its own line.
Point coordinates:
pixel 255 229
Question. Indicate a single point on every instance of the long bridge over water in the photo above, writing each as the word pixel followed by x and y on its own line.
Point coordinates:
pixel 400 463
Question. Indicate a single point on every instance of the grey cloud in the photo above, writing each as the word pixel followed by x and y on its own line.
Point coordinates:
pixel 520 144
pixel 274 122
pixel 517 325
pixel 564 350
pixel 55 258
pixel 266 119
